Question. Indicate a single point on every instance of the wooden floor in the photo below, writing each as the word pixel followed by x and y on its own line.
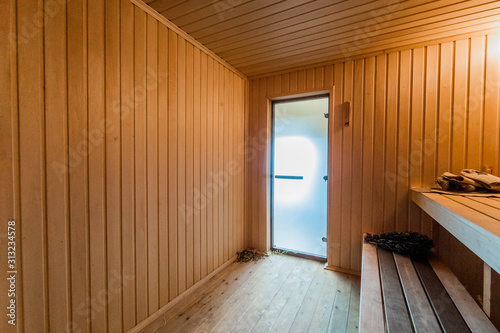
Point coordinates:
pixel 276 294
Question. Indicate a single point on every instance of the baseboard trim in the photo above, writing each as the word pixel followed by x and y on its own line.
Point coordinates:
pixel 342 270
pixel 149 320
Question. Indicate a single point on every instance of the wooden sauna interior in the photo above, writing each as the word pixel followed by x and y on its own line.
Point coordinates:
pixel 135 138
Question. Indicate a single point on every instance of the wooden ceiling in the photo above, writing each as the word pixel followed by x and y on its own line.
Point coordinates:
pixel 264 36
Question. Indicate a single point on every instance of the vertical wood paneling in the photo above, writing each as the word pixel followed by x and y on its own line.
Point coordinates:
pixel 476 103
pixel 221 106
pixel 152 160
pixel 415 114
pixel 391 135
pixel 172 165
pixel 417 129
pixel 368 145
pixel 357 157
pixel 181 163
pixel 163 235
pixel 285 83
pixel 431 114
pixel 379 144
pixel 113 162
pixel 189 150
pixel 215 166
pixel 126 131
pixel 226 145
pixel 230 159
pixel 140 134
pixel 460 101
pixel 403 142
pixel 127 162
pixel 198 234
pixel 56 125
pixel 445 103
pixel 9 193
pixel 97 166
pixel 209 166
pixel 491 137
pixel 78 168
pixel 261 146
pixel 32 169
pixel 203 148
pixel 346 215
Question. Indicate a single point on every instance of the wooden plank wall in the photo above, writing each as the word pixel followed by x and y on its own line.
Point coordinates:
pixel 415 114
pixel 121 163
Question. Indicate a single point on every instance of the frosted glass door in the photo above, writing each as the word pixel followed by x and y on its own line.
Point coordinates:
pixel 299 191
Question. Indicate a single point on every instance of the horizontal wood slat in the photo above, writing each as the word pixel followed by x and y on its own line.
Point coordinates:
pixel 259 37
pixel 427 294
pixel 421 312
pixel 396 314
pixel 476 319
pixel 478 231
pixel 371 307
pixel 447 314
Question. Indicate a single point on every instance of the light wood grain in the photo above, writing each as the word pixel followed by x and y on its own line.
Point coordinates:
pixel 479 232
pixel 258 37
pixel 140 146
pixel 163 235
pixel 405 96
pixel 97 172
pixel 57 185
pixel 371 308
pixel 113 162
pixel 152 162
pixel 9 165
pixel 127 160
pixel 99 154
pixel 184 35
pixel 252 296
pixel 472 314
pixel 78 177
pixel 421 312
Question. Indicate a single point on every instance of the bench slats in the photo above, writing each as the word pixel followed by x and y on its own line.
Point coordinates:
pixel 422 315
pixel 396 313
pixel 473 315
pixel 402 294
pixel 371 316
pixel 448 315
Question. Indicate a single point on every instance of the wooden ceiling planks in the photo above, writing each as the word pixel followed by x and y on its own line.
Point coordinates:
pixel 262 36
pixel 334 25
pixel 423 26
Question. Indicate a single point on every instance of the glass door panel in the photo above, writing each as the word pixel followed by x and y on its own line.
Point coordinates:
pixel 299 189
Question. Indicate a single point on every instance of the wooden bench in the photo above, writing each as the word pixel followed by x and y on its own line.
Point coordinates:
pixel 475 222
pixel 400 294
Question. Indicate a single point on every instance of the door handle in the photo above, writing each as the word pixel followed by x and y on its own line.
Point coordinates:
pixel 325 178
pixel 288 177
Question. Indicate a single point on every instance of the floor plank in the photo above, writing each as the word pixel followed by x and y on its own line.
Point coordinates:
pixel 277 294
pixel 229 314
pixel 247 314
pixel 340 312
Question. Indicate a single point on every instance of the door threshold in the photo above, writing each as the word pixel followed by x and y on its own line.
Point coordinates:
pixel 293 253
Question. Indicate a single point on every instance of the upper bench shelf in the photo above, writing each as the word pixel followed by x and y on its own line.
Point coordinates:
pixel 475 221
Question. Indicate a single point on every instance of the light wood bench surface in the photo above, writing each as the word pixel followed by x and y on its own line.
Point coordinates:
pixel 474 221
pixel 400 294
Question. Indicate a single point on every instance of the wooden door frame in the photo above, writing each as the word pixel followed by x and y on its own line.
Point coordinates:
pixel 334 117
